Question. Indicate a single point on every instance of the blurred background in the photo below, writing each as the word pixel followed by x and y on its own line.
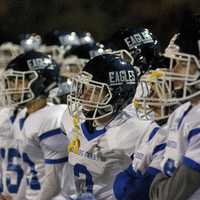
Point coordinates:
pixel 100 17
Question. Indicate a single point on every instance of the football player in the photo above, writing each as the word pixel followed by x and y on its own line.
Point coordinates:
pixel 181 76
pixel 136 179
pixel 11 174
pixel 180 165
pixel 39 128
pixel 105 133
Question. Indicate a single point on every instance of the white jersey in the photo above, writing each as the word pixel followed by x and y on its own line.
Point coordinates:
pixel 43 143
pixel 10 158
pixel 99 156
pixel 150 151
pixel 183 141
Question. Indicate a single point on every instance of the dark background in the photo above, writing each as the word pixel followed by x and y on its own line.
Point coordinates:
pixel 100 17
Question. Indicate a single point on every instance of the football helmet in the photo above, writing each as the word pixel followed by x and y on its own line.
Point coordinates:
pixel 29 76
pixel 151 100
pixel 68 38
pixel 76 56
pixel 75 38
pixel 181 81
pixel 79 44
pixel 140 42
pixel 62 38
pixel 31 42
pixel 184 54
pixel 54 51
pixel 85 51
pixel 106 85
pixel 71 66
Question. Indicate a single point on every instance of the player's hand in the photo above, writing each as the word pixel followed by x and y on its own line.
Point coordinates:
pixel 113 157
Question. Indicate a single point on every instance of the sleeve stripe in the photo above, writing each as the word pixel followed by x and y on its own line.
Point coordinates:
pixel 152 170
pixel 158 148
pixel 51 133
pixel 152 134
pixel 56 161
pixel 191 164
pixel 132 172
pixel 184 114
pixel 12 118
pixel 192 133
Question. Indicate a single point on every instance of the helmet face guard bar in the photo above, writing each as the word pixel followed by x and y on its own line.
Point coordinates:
pixel 167 89
pixel 89 96
pixel 16 87
pixel 72 66
pixel 187 79
pixel 156 95
pixel 157 89
pixel 122 53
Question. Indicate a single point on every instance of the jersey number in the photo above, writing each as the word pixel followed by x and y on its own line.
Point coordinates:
pixel 33 182
pixel 81 169
pixel 12 155
pixel 12 167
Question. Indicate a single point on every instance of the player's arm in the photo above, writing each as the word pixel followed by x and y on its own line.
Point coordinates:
pixel 134 182
pixel 2 196
pixel 54 146
pixel 186 178
pixel 51 185
pixel 184 182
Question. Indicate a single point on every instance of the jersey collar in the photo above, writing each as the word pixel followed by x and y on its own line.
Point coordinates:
pixel 90 136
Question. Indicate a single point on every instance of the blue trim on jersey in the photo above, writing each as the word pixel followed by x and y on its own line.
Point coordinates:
pixel 153 133
pixel 56 161
pixel 191 163
pixel 158 148
pixel 50 133
pixel 2 153
pixel 153 171
pixel 21 122
pixel 184 114
pixel 133 173
pixel 92 135
pixel 12 118
pixel 192 133
pixel 132 156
